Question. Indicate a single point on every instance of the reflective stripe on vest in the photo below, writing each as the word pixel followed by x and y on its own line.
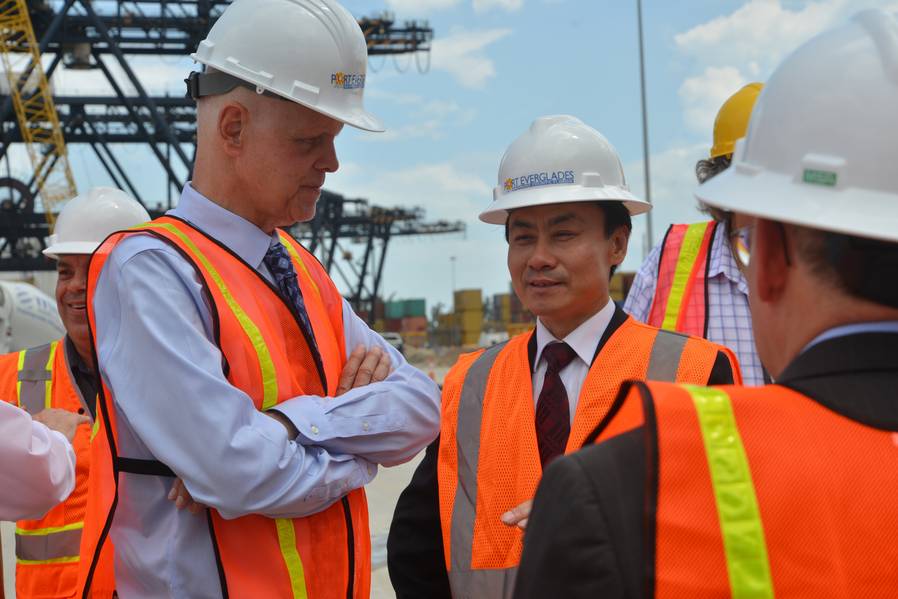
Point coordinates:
pixel 734 493
pixel 473 582
pixel 468 583
pixel 266 355
pixel 48 545
pixel 34 387
pixel 266 366
pixel 48 549
pixel 285 532
pixel 680 290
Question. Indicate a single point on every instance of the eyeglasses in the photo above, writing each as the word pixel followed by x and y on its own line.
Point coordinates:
pixel 740 242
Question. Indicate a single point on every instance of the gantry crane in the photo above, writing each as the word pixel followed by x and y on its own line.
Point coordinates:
pixel 99 35
pixel 29 93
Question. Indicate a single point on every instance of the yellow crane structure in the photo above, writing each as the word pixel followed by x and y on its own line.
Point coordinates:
pixel 34 107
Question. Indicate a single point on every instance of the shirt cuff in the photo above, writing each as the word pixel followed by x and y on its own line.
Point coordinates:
pixel 316 424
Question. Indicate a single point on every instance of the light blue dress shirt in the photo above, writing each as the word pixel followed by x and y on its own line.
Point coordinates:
pixel 173 404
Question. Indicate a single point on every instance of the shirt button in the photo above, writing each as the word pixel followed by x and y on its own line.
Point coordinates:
pixel 365 426
pixel 314 430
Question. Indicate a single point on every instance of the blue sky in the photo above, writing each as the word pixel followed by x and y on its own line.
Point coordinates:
pixel 498 64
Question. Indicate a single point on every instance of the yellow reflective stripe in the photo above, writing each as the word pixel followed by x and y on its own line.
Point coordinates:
pixel 734 493
pixel 287 541
pixel 49 530
pixel 48 384
pixel 295 255
pixel 55 560
pixel 96 427
pixel 21 365
pixel 689 248
pixel 266 365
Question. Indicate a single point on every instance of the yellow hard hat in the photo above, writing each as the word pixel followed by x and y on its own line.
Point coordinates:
pixel 732 120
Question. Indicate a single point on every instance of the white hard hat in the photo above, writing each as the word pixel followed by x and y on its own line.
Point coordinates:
pixel 559 159
pixel 89 218
pixel 823 137
pixel 312 52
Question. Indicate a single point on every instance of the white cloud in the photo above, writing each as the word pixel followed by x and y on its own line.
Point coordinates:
pixel 673 181
pixel 429 6
pixel 703 95
pixel 448 191
pixel 508 5
pixel 462 55
pixel 429 119
pixel 420 6
pixel 747 44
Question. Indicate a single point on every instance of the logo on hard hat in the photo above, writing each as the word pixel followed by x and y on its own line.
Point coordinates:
pixel 347 80
pixel 539 179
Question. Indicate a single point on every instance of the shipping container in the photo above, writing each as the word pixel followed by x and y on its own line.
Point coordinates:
pixel 468 299
pixel 415 307
pixel 414 324
pixel 470 320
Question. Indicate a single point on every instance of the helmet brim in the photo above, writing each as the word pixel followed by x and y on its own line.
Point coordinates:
pixel 780 197
pixel 70 247
pixel 498 211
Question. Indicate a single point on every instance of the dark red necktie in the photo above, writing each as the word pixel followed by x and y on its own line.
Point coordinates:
pixel 553 416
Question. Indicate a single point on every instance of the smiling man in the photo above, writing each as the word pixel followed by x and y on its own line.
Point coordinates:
pixel 55 383
pixel 224 346
pixel 510 410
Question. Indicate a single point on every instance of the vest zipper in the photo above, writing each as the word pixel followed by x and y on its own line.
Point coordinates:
pixel 350 542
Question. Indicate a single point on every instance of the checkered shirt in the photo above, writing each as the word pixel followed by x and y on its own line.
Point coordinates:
pixel 729 319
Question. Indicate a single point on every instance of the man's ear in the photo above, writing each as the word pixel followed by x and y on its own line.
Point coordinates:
pixel 769 260
pixel 618 242
pixel 233 119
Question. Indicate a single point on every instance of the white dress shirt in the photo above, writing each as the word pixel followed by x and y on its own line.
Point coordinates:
pixel 37 466
pixel 173 403
pixel 584 340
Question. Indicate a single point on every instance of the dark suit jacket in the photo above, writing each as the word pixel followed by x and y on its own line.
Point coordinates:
pixel 415 544
pixel 586 535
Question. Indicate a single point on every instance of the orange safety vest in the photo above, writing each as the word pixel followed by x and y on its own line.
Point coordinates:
pixel 681 291
pixel 762 491
pixel 47 549
pixel 488 458
pixel 323 556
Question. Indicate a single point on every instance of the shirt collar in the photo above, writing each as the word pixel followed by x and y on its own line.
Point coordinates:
pixel 584 340
pixel 242 237
pixel 723 262
pixel 885 326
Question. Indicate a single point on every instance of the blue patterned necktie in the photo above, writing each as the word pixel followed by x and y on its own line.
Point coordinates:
pixel 281 267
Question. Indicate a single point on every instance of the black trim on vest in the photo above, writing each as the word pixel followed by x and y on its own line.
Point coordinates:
pixel 218 565
pixel 649 527
pixel 714 229
pixel 101 401
pixel 307 335
pixel 144 467
pixel 350 543
pixel 611 413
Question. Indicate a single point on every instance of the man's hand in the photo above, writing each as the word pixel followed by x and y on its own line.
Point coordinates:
pixel 181 496
pixel 518 516
pixel 364 366
pixel 62 420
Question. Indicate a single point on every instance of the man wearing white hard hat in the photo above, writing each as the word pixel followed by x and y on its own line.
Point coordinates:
pixel 55 383
pixel 510 410
pixel 228 357
pixel 785 490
